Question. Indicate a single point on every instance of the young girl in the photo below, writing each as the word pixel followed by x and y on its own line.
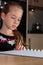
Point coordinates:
pixel 10 37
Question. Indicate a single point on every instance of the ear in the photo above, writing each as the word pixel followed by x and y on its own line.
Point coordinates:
pixel 3 15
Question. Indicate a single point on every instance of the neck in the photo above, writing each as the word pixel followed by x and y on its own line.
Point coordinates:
pixel 6 31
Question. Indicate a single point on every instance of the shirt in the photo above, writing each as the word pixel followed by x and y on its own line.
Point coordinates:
pixel 7 42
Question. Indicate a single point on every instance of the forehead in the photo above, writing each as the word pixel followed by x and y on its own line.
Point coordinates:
pixel 15 11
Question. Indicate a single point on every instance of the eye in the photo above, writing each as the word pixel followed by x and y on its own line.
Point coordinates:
pixel 13 17
pixel 19 19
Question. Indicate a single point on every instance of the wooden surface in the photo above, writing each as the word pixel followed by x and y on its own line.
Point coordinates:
pixel 19 60
pixel 36 41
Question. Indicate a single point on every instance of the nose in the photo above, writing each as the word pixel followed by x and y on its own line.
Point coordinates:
pixel 15 21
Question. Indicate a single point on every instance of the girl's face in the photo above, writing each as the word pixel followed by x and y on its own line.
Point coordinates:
pixel 13 17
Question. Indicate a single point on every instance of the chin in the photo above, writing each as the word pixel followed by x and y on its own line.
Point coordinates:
pixel 13 29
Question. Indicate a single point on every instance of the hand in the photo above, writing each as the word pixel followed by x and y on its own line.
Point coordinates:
pixel 20 48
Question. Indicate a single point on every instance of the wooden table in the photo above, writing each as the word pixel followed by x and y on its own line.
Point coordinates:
pixel 19 60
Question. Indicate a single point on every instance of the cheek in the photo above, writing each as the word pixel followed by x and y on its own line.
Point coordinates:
pixel 18 23
pixel 8 21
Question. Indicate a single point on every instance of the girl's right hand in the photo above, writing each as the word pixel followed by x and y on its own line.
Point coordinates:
pixel 20 48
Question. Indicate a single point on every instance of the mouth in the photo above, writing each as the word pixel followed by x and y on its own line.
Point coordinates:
pixel 14 26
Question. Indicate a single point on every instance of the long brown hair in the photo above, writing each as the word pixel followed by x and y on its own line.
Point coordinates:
pixel 19 38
